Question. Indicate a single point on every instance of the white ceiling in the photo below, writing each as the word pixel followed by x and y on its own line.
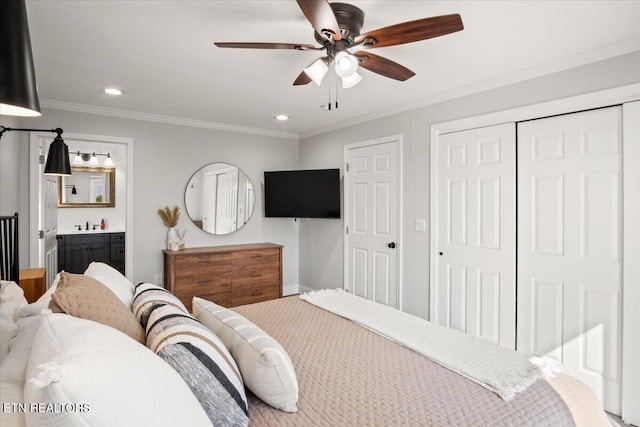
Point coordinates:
pixel 161 54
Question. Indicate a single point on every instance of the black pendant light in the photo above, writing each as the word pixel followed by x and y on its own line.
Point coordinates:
pixel 18 93
pixel 58 158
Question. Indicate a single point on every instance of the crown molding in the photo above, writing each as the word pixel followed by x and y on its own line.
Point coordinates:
pixel 180 121
pixel 566 63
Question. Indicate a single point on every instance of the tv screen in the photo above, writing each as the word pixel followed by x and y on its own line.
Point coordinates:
pixel 302 193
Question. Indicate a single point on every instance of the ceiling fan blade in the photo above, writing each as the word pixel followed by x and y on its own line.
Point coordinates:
pixel 412 31
pixel 302 79
pixel 383 66
pixel 245 45
pixel 321 17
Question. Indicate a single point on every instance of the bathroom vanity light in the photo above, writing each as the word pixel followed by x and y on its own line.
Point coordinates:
pixel 92 159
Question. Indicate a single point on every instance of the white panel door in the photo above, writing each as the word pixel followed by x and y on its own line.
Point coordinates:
pixel 569 245
pixel 475 267
pixel 372 221
pixel 209 202
pixel 226 202
pixel 43 229
pixel 49 218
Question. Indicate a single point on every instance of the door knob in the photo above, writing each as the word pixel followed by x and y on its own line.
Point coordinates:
pixel 392 245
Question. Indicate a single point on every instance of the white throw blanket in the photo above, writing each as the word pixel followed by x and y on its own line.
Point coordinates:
pixel 503 371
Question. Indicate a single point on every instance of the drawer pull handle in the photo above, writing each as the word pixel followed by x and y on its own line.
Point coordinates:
pixel 203 282
pixel 255 275
pixel 256 293
pixel 256 256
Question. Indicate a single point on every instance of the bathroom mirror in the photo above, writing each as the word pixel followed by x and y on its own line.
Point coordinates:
pixel 87 187
pixel 219 198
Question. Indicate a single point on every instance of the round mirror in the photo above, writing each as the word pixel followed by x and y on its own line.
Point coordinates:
pixel 219 198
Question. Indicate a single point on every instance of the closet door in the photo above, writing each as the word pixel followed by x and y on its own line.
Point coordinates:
pixel 475 266
pixel 569 245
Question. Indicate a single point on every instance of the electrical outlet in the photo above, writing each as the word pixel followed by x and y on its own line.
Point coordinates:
pixel 158 280
pixel 421 224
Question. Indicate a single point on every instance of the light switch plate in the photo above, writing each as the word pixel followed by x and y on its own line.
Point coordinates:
pixel 421 224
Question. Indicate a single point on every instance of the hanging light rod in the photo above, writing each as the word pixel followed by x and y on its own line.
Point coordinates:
pixel 58 157
pixel 92 158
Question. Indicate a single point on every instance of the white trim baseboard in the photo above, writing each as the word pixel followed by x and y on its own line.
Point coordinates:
pixel 290 290
pixel 304 289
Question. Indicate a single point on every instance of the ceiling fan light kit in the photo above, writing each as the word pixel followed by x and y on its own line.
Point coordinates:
pixel 337 29
pixel 317 70
pixel 351 81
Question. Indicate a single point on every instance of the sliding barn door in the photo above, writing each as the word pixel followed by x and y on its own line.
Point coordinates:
pixel 475 266
pixel 569 245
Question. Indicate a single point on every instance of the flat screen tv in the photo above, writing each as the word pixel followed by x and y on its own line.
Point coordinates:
pixel 302 193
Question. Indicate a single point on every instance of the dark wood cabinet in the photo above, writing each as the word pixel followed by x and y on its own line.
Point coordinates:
pixel 227 275
pixel 77 251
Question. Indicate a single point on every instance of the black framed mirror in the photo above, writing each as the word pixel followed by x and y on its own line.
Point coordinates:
pixel 219 198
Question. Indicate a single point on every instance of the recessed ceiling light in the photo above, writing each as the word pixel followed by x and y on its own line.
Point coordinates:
pixel 282 117
pixel 112 91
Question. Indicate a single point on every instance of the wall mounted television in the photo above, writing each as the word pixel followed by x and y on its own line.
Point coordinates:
pixel 313 193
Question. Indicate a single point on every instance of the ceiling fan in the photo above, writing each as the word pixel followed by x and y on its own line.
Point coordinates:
pixel 337 29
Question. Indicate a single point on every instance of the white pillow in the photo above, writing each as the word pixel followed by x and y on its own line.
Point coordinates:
pixel 264 364
pixel 112 279
pixel 97 376
pixel 11 299
pixel 13 370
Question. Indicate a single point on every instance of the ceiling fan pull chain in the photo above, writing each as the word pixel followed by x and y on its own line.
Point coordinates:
pixel 336 88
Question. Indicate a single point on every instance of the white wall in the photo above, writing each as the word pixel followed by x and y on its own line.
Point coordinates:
pixel 14 182
pixel 321 242
pixel 164 158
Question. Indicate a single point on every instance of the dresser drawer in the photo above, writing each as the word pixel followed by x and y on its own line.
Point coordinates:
pixel 253 294
pixel 204 263
pixel 254 258
pixel 256 277
pixel 200 284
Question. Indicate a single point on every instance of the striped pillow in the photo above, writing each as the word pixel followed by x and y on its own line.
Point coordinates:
pixel 148 295
pixel 202 360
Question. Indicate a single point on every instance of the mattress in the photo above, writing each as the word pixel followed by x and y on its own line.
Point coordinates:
pixel 350 376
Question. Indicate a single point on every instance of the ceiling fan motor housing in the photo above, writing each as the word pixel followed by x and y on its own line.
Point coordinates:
pixel 350 20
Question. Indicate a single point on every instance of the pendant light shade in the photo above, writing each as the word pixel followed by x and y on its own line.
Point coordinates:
pixel 317 70
pixel 58 158
pixel 108 162
pixel 18 93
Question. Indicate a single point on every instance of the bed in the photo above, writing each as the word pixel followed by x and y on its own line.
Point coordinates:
pixel 345 374
pixel 349 375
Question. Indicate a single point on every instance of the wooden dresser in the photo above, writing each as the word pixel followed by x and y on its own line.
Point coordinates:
pixel 227 275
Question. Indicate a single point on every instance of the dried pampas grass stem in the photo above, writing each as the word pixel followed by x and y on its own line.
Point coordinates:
pixel 169 217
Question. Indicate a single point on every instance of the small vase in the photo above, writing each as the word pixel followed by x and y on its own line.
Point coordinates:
pixel 172 235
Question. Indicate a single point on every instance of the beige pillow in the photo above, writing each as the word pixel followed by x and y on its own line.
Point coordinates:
pixel 85 297
pixel 264 364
